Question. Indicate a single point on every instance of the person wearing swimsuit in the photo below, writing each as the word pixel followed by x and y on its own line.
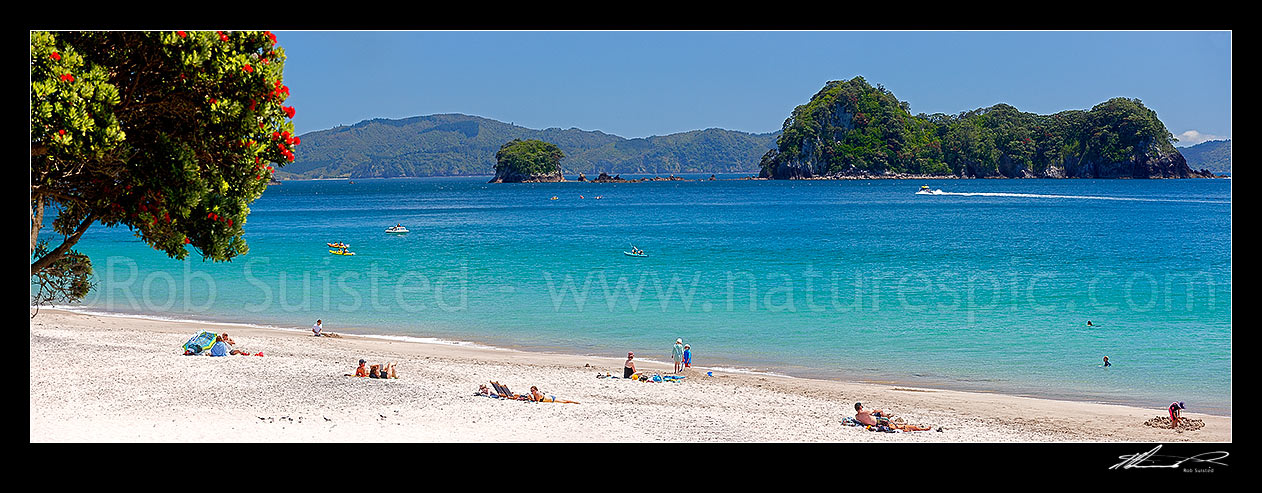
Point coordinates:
pixel 628 368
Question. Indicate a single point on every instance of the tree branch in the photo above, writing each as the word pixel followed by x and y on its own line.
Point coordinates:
pixel 61 249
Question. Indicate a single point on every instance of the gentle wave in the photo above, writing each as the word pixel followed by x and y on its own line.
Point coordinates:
pixel 397 338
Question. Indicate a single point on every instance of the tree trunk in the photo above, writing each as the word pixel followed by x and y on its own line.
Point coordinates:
pixel 60 251
pixel 37 220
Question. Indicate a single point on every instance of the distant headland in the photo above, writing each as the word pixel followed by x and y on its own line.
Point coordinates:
pixel 848 130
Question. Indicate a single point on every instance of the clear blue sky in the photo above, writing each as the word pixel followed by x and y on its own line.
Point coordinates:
pixel 642 83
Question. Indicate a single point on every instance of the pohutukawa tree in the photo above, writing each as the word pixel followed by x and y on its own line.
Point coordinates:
pixel 171 134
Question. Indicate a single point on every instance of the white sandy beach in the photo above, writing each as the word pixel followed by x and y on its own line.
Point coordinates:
pixel 121 379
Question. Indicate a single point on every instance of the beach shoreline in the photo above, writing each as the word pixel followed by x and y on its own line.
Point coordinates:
pixel 297 392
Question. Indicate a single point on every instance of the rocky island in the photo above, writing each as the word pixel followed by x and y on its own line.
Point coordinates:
pixel 851 129
pixel 528 161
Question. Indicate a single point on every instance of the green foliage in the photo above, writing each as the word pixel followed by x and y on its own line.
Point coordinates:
pixel 853 127
pixel 1214 155
pixel 171 134
pixel 528 158
pixel 454 144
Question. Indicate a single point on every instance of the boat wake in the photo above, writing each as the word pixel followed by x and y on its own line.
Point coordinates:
pixel 1085 197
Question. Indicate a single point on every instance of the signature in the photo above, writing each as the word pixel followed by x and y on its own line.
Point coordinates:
pixel 1150 460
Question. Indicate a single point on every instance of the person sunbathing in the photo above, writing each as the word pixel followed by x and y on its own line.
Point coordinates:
pixel 536 396
pixel 883 418
pixel 382 371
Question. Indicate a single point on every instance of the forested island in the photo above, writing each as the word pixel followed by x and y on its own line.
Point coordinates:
pixel 852 129
pixel 528 161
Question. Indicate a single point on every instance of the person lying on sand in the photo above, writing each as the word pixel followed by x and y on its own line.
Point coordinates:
pixel 361 371
pixel 382 371
pixel 883 418
pixel 536 396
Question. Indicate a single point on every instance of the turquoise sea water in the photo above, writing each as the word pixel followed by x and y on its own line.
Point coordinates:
pixel 987 289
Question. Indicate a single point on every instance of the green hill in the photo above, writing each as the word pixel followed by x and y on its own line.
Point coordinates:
pixel 1214 155
pixel 852 129
pixel 455 144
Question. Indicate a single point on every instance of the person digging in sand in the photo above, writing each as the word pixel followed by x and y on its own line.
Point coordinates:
pixel 1175 409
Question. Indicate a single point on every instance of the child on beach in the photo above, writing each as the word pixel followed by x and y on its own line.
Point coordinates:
pixel 318 330
pixel 362 371
pixel 1175 409
pixel 687 356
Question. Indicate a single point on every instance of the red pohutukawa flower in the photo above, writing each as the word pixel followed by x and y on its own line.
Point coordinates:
pixel 67 78
pixel 55 56
pixel 247 68
pixel 289 111
pixel 271 36
pixel 222 36
pixel 182 35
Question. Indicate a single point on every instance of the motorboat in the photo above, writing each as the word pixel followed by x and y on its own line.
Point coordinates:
pixel 924 190
pixel 397 230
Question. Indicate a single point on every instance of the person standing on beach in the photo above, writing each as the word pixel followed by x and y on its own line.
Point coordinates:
pixel 677 353
pixel 687 356
pixel 317 328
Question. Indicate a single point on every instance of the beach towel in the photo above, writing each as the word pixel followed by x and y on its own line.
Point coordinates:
pixel 219 349
pixel 200 341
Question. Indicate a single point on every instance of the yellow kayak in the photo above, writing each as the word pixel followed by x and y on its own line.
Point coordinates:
pixel 340 252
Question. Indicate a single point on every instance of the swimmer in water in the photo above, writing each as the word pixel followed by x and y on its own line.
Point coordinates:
pixel 1106 362
pixel 1089 324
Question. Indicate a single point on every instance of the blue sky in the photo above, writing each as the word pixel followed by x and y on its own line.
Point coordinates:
pixel 642 83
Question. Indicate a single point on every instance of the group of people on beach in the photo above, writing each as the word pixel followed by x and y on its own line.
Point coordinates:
pixel 375 371
pixel 223 346
pixel 681 354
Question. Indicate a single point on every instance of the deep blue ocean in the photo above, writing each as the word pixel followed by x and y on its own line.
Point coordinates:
pixel 987 288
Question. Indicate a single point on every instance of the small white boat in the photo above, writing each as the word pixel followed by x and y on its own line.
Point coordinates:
pixel 397 230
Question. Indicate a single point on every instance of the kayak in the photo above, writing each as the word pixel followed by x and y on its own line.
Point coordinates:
pixel 337 245
pixel 629 254
pixel 339 252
